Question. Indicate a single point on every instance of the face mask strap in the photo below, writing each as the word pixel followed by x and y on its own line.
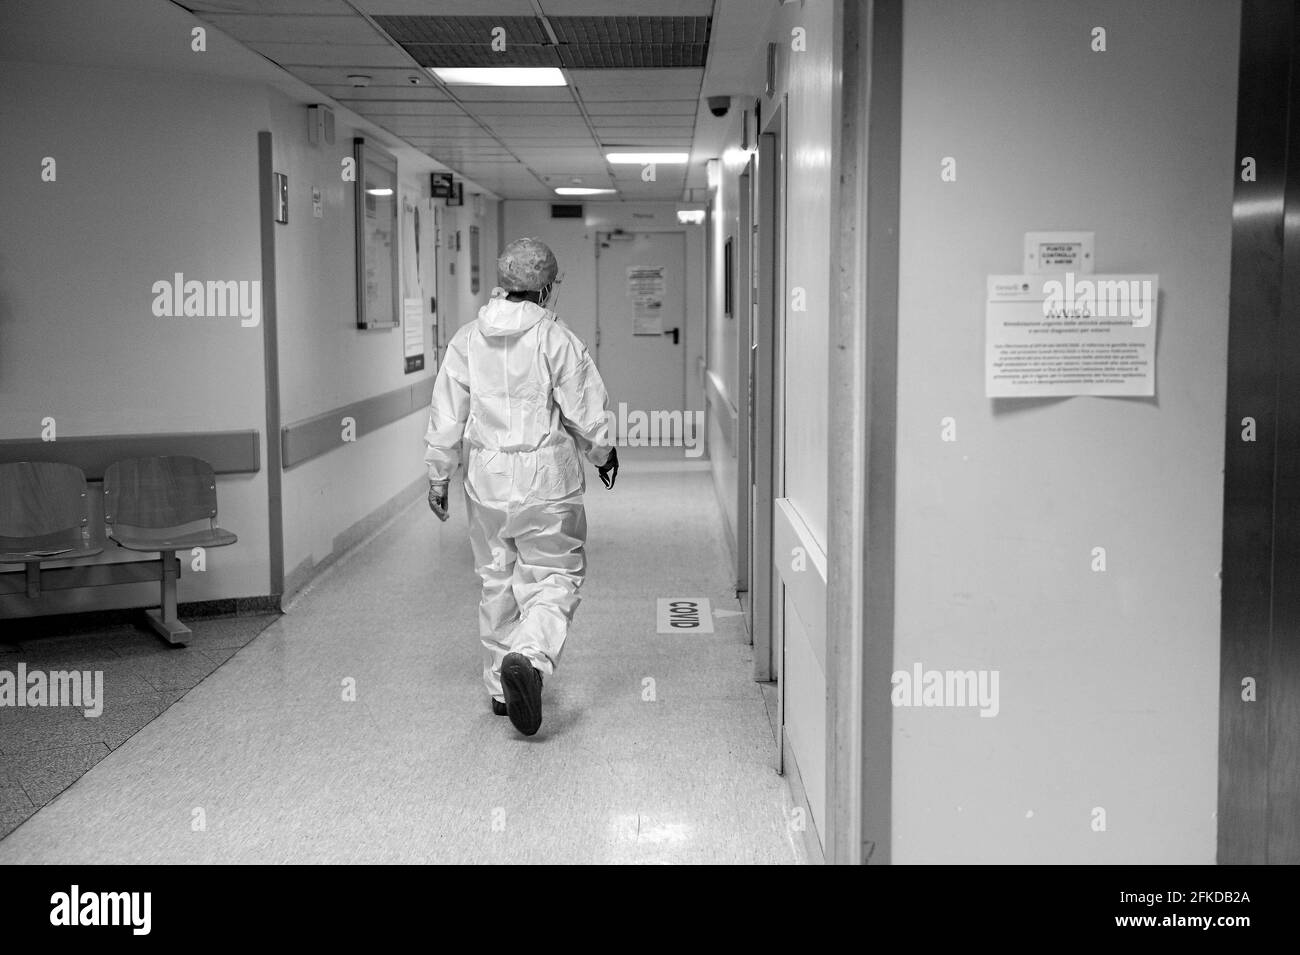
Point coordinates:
pixel 553 292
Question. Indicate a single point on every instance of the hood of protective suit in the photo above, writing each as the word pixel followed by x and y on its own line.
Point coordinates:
pixel 502 317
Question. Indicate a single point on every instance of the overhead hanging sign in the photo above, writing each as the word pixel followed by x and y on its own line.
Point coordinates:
pixel 1065 334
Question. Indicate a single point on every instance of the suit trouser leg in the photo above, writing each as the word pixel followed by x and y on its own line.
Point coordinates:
pixel 494 560
pixel 550 565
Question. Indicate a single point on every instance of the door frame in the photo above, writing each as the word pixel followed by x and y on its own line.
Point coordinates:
pixel 765 432
pixel 746 304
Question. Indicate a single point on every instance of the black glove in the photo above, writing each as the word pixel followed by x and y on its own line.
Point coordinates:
pixel 438 499
pixel 609 470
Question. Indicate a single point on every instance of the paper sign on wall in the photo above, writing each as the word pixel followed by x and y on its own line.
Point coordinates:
pixel 413 333
pixel 645 287
pixel 1064 334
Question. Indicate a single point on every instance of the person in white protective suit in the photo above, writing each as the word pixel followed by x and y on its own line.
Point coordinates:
pixel 522 392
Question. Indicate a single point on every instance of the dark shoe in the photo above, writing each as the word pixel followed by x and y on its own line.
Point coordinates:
pixel 498 708
pixel 522 685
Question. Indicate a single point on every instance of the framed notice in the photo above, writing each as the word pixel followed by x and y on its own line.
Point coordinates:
pixel 1063 334
pixel 378 279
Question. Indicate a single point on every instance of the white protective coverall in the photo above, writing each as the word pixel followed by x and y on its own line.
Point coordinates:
pixel 524 394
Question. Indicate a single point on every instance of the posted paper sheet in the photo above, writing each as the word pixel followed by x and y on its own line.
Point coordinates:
pixel 645 287
pixel 1063 334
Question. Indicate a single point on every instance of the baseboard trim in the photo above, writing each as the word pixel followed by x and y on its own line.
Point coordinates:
pixel 812 840
pixel 353 536
pixel 91 621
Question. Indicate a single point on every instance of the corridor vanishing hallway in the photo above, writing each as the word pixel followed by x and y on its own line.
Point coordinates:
pixel 266 762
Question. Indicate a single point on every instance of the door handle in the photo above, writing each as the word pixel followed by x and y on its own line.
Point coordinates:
pixel 676 333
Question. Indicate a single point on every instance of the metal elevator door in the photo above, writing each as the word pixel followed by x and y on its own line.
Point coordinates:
pixel 1259 700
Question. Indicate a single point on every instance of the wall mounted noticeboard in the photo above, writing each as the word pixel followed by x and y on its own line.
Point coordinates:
pixel 378 298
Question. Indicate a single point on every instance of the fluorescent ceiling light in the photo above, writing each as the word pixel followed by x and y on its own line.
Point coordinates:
pixel 379 192
pixel 499 75
pixel 690 216
pixel 643 159
pixel 581 191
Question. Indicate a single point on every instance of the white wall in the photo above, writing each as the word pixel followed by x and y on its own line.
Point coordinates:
pixel 1108 681
pixel 574 243
pixel 156 174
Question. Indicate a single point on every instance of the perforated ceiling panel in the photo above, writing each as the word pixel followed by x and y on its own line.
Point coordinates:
pixel 468 41
pixel 596 43
pixel 607 43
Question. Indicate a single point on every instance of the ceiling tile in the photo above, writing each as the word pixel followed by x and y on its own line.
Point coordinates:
pixel 592 8
pixel 462 30
pixel 639 120
pixel 316 54
pixel 278 7
pixel 479 56
pixel 460 124
pixel 646 30
pixel 497 110
pixel 380 78
pixel 628 55
pixel 376 107
pixel 560 154
pixel 682 109
pixel 528 94
pixel 379 94
pixel 297 29
pixel 644 138
pixel 632 85
pixel 482 41
pixel 525 129
pixel 588 169
pixel 505 8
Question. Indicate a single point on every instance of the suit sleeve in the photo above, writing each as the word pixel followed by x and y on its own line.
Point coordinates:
pixel 448 413
pixel 581 395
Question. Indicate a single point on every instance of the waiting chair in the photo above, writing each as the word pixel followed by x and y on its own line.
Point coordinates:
pixel 44 515
pixel 154 505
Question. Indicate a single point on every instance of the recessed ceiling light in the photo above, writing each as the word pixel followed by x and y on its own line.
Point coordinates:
pixel 690 216
pixel 499 75
pixel 582 191
pixel 642 159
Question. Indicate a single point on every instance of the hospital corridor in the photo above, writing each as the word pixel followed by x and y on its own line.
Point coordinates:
pixel 650 432
pixel 656 747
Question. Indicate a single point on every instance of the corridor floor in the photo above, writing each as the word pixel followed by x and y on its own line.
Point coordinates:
pixel 656 748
